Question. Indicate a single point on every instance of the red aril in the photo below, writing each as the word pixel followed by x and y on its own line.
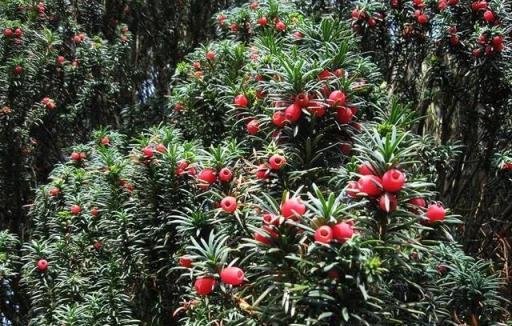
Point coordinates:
pixel 325 74
pixel 18 32
pixel 489 16
pixel 280 26
pixel 270 219
pixel 241 101
pixel 276 161
pixel 370 185
pixel 388 202
pixel 298 35
pixel 18 70
pixel 234 27
pixel 337 98
pixel 75 156
pixel 293 113
pixel 316 108
pixel 225 175
pixel 95 212
pixel 497 41
pixel 8 32
pixel 75 209
pixel 365 169
pixel 42 265
pixel 105 141
pixel 204 285
pixel 422 19
pixel 302 99
pixel 54 192
pixel 418 202
pixel 206 177
pixel 262 21
pixel 393 180
pixel 179 107
pixel 160 148
pixel 435 213
pixel 185 262
pixel 232 276
pixel 210 55
pixel 342 231
pixel 262 172
pixel 228 204
pixel 60 60
pixel 344 115
pixel 253 127
pixel 292 207
pixel 323 234
pixel 147 152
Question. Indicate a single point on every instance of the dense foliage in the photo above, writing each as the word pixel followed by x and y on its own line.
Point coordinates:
pixel 288 187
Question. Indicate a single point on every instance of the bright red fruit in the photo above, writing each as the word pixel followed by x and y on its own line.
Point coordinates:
pixel 75 156
pixel 18 32
pixel 262 172
pixel 8 32
pixel 204 285
pixel 393 180
pixel 323 234
pixel 292 207
pixel 298 35
pixel 241 101
pixel 147 152
pixel 337 98
pixel 262 21
pixel 179 107
pixel 225 175
pixel 210 55
pixel 497 41
pixel 325 74
pixel 276 161
pixel 342 231
pixel 105 141
pixel 18 70
pixel 422 19
pixel 270 219
pixel 388 202
pixel 60 60
pixel 160 148
pixel 435 213
pixel 234 27
pixel 280 26
pixel 232 275
pixel 206 177
pixel 75 209
pixel 95 212
pixel 253 127
pixel 185 262
pixel 42 265
pixel 419 202
pixel 489 16
pixel 317 108
pixel 279 119
pixel 365 169
pixel 302 99
pixel 228 204
pixel 370 185
pixel 344 115
pixel 54 192
pixel 293 113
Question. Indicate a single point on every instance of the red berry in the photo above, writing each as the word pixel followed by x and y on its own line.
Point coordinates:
pixel 422 19
pixel 388 202
pixel 279 119
pixel 419 202
pixel 454 40
pixel 206 177
pixel 298 35
pixel 346 148
pixel 435 213
pixel 185 262
pixel 262 21
pixel 210 55
pixel 442 5
pixel 18 70
pixel 42 265
pixel 293 113
pixel 277 161
pixel 160 148
pixel 370 185
pixel 323 234
pixel 337 98
pixel 105 141
pixel 302 99
pixel 270 219
pixel 262 172
pixel 18 32
pixel 371 22
pixel 317 108
pixel 75 209
pixel 60 60
pixel 353 189
pixel 232 275
pixel 292 207
pixel 253 127
pixel 489 16
pixel 344 115
pixel 253 5
pixel 179 107
pixel 342 231
pixel 280 26
pixel 365 169
pixel 8 32
pixel 497 41
pixel 95 212
pixel 225 175
pixel 54 192
pixel 241 101
pixel 453 2
pixel 75 156
pixel 228 204
pixel 204 285
pixel 393 180
pixel 77 39
pixel 325 74
pixel 234 27
pixel 147 152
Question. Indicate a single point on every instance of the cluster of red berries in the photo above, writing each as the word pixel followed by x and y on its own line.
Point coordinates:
pixel 9 33
pixel 483 7
pixel 275 163
pixel 49 103
pixel 209 176
pixel 341 232
pixel 443 4
pixel 78 156
pixel 41 8
pixel 488 44
pixel 230 275
pixel 361 17
pixel 78 38
pixel 453 36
